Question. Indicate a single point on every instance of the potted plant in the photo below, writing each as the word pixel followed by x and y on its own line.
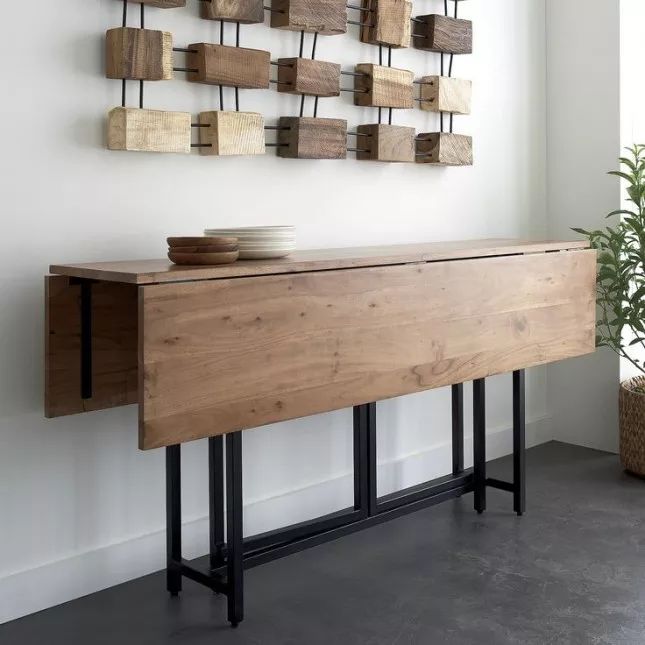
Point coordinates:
pixel 621 302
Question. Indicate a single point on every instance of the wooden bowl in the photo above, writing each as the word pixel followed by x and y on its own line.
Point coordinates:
pixel 200 241
pixel 219 248
pixel 203 258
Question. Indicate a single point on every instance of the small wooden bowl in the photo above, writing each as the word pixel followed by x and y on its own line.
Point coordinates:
pixel 200 241
pixel 219 248
pixel 203 258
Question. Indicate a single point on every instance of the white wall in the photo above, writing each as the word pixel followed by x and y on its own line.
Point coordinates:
pixel 81 507
pixel 632 114
pixel 583 144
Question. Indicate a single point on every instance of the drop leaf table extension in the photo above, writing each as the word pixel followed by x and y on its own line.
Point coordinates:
pixel 211 351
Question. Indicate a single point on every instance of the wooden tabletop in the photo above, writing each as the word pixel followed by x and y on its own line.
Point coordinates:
pixel 156 271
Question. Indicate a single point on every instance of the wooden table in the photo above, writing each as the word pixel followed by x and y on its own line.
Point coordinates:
pixel 209 351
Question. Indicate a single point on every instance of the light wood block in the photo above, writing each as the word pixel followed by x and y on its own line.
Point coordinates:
pixel 114 346
pixel 388 22
pixel 310 138
pixel 232 133
pixel 309 77
pixel 445 149
pixel 386 143
pixel 138 54
pixel 243 11
pixel 444 94
pixel 229 66
pixel 219 356
pixel 149 130
pixel 321 16
pixel 162 4
pixel 380 86
pixel 443 34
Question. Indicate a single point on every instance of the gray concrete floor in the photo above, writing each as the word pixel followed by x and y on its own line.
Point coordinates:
pixel 572 570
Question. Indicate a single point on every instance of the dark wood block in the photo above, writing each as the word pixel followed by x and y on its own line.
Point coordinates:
pixel 310 77
pixel 162 4
pixel 388 22
pixel 380 86
pixel 244 11
pixel 229 66
pixel 310 138
pixel 445 149
pixel 321 16
pixel 138 54
pixel 443 34
pixel 386 143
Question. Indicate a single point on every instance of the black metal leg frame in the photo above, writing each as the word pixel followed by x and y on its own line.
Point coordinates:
pixel 231 554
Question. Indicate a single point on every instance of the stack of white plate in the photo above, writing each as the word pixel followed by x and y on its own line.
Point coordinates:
pixel 260 242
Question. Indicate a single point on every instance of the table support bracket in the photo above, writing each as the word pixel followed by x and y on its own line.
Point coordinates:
pixel 228 560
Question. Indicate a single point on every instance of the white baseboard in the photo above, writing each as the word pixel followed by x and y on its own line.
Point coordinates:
pixel 57 582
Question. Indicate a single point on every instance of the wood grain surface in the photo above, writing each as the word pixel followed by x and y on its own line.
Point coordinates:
pixel 309 77
pixel 394 143
pixel 443 34
pixel 148 130
pixel 379 86
pixel 156 271
pixel 225 355
pixel 232 133
pixel 444 94
pixel 311 138
pixel 114 347
pixel 327 17
pixel 444 149
pixel 228 66
pixel 138 54
pixel 243 11
pixel 387 22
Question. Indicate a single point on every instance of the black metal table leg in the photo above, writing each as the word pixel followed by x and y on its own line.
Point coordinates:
pixel 479 443
pixel 519 445
pixel 234 529
pixel 216 499
pixel 372 485
pixel 361 461
pixel 457 429
pixel 173 519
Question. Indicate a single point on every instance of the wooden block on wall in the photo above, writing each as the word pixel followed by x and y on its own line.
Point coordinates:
pixel 388 22
pixel 138 54
pixel 229 66
pixel 380 86
pixel 244 11
pixel 311 138
pixel 444 94
pixel 310 77
pixel 162 4
pixel 149 130
pixel 232 133
pixel 445 149
pixel 443 34
pixel 386 143
pixel 320 16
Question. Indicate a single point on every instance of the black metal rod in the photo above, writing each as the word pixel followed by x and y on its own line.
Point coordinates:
pixel 125 13
pixel 372 485
pixel 359 134
pixel 302 105
pixel 276 145
pixel 500 484
pixel 185 69
pixel 210 580
pixel 200 125
pixel 302 43
pixel 479 443
pixel 201 145
pixel 273 10
pixel 277 127
pixel 361 462
pixel 353 6
pixel 184 50
pixel 423 491
pixel 354 74
pixel 346 89
pixel 357 150
pixel 86 340
pixel 313 47
pixel 278 64
pixel 123 92
pixel 173 519
pixel 519 443
pixel 216 499
pixel 234 529
pixel 457 428
pixel 316 107
pixel 360 23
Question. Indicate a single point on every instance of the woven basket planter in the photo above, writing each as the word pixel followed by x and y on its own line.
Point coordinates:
pixel 632 426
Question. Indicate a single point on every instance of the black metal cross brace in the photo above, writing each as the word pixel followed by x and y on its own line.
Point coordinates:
pixel 231 553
